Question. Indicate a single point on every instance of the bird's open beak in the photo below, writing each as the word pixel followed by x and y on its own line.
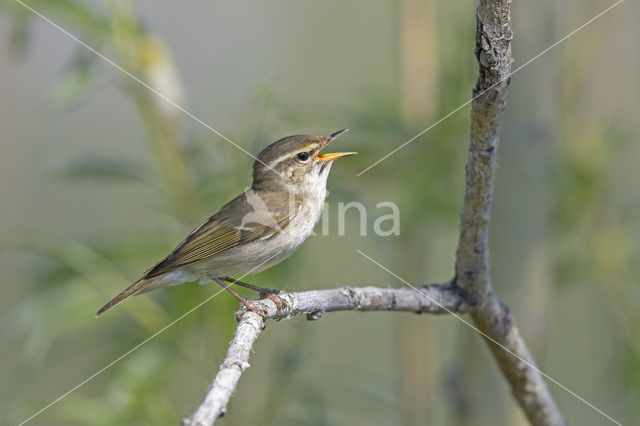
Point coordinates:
pixel 333 155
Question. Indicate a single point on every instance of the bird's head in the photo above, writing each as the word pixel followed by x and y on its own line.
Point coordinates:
pixel 295 163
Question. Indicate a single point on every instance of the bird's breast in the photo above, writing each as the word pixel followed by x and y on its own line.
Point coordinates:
pixel 263 253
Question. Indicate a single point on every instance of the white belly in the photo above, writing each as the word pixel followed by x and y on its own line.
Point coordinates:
pixel 261 254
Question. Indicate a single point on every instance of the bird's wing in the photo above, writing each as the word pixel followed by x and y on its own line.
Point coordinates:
pixel 246 218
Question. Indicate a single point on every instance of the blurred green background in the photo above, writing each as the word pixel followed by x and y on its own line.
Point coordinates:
pixel 99 179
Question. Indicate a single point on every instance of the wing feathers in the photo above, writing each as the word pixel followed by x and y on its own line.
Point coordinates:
pixel 225 230
pixel 246 218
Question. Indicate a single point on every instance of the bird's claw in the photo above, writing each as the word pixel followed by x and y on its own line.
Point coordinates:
pixel 259 308
pixel 280 304
pixel 255 308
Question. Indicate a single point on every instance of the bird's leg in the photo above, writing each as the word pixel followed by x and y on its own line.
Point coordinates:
pixel 248 305
pixel 264 292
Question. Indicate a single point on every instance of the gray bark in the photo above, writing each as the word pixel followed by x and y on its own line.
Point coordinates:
pixel 471 291
pixel 434 299
pixel 492 318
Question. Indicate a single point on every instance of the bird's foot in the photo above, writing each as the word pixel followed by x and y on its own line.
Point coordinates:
pixel 256 308
pixel 280 304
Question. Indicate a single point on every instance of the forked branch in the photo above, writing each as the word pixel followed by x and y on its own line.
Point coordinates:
pixel 473 283
pixel 434 299
pixel 491 317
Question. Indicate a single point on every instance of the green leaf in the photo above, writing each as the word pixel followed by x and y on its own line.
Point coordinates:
pixel 75 15
pixel 77 81
pixel 103 169
pixel 19 38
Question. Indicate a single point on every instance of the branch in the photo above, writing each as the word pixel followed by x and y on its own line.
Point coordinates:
pixel 434 299
pixel 473 283
pixel 493 319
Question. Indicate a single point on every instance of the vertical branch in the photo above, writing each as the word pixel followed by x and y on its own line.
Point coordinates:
pixel 491 317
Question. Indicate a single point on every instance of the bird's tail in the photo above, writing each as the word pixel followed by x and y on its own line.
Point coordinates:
pixel 133 289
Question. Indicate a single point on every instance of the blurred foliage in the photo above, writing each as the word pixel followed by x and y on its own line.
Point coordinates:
pixel 592 232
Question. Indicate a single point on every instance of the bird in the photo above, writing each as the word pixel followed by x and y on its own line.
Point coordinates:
pixel 257 229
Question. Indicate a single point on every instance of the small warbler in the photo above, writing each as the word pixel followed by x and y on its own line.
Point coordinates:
pixel 256 230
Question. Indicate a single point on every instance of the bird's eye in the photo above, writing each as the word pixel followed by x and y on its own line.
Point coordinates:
pixel 303 156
